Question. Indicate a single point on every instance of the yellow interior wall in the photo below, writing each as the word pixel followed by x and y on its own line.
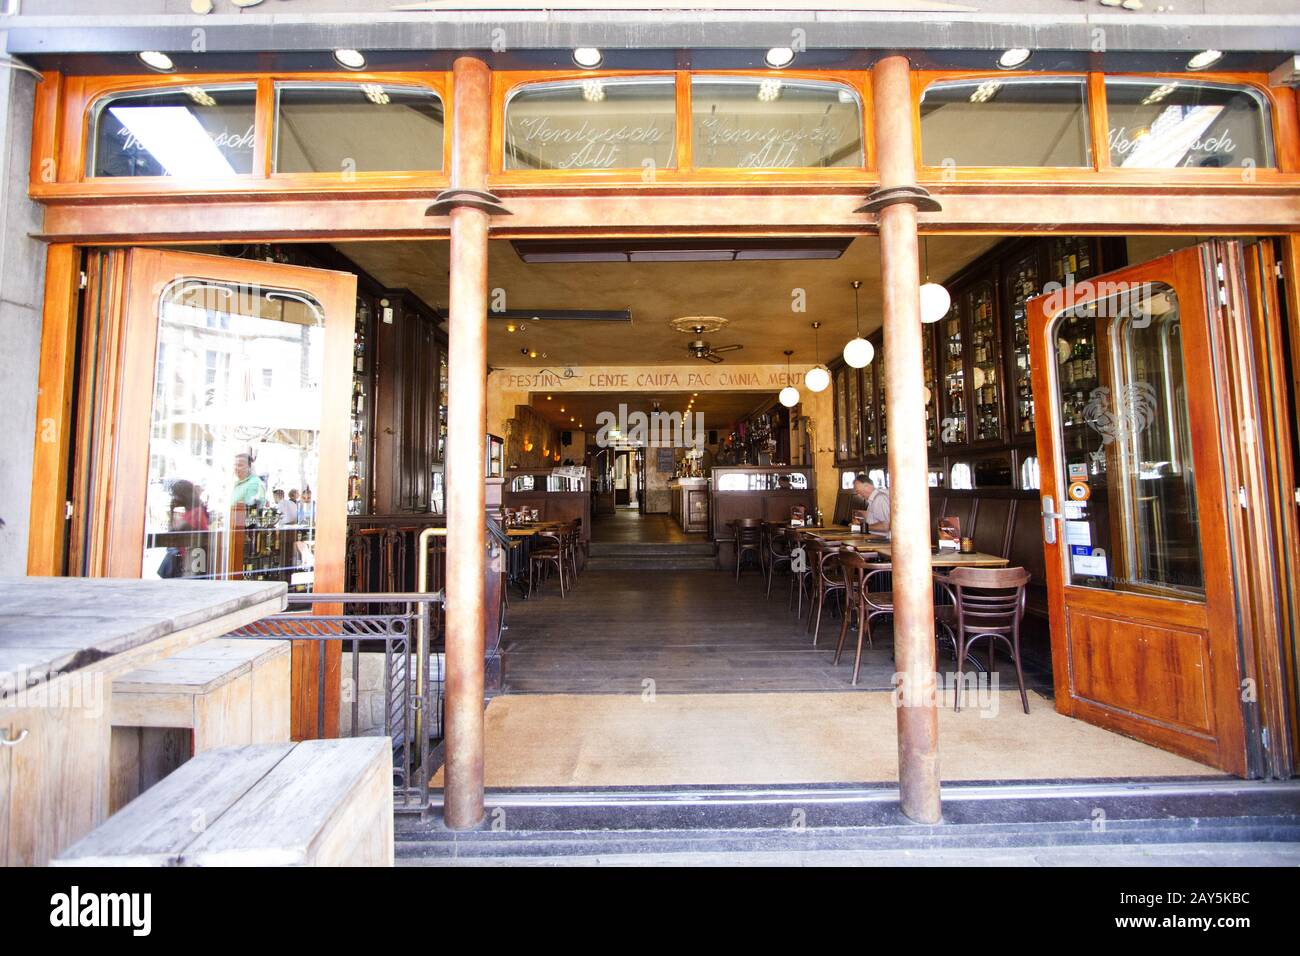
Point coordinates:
pixel 819 407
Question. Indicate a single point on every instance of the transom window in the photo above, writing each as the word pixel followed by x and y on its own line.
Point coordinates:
pixel 357 128
pixel 593 123
pixel 993 121
pixel 192 132
pixel 1168 124
pixel 755 122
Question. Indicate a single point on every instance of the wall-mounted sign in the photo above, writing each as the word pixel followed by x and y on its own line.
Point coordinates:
pixel 650 378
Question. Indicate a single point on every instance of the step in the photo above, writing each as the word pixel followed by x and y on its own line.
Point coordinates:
pixel 637 548
pixel 653 562
pixel 832 817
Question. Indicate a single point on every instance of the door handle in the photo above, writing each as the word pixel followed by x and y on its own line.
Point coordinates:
pixel 1050 517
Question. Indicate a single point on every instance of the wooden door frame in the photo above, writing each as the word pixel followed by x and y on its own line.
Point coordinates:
pixel 128 414
pixel 1223 744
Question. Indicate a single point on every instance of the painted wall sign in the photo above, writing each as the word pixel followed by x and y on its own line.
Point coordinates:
pixel 665 378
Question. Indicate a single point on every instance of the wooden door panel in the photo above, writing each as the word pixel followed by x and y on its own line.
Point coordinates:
pixel 1149 660
pixel 120 486
pixel 1147 670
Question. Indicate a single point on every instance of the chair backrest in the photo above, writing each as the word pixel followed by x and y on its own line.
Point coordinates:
pixel 780 541
pixel 749 531
pixel 989 599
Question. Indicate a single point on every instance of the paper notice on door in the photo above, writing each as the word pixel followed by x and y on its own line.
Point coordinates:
pixel 1078 533
pixel 1087 562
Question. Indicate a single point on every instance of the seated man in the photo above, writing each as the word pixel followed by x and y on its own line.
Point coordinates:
pixel 874 501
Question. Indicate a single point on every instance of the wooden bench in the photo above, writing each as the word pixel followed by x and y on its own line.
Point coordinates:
pixel 223 692
pixel 314 803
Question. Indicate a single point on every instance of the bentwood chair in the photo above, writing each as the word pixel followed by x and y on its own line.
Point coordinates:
pixel 862 577
pixel 780 544
pixel 749 540
pixel 825 579
pixel 986 603
pixel 549 550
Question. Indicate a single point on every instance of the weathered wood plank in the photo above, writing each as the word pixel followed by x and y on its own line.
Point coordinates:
pixel 156 829
pixel 290 817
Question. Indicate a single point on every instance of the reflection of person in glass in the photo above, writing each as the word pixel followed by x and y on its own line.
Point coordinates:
pixel 306 508
pixel 187 511
pixel 248 489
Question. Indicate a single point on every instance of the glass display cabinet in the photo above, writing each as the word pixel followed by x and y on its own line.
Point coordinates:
pixel 870 417
pixel 1022 280
pixel 952 346
pixel 985 385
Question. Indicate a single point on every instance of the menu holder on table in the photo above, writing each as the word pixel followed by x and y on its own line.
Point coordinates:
pixel 949 534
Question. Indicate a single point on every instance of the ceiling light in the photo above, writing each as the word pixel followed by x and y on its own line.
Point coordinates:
pixel 593 91
pixel 199 95
pixel 769 90
pixel 510 327
pixel 157 61
pixel 779 57
pixel 1160 93
pixel 588 57
pixel 935 302
pixel 789 396
pixel 935 299
pixel 1204 59
pixel 1010 59
pixel 375 94
pixel 819 376
pixel 532 355
pixel 858 352
pixel 986 91
pixel 350 59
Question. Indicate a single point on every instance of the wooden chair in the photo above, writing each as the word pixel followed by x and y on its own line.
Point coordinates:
pixel 986 602
pixel 548 551
pixel 824 578
pixel 779 544
pixel 749 540
pixel 860 571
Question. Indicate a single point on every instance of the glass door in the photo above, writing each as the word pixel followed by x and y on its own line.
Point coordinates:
pixel 235 421
pixel 1144 634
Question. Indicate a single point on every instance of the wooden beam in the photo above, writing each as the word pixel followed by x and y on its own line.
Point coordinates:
pixel 988 208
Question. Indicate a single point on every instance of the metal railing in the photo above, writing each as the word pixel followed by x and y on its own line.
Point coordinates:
pixel 403 627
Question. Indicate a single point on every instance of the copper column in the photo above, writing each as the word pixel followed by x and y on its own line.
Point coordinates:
pixel 897 201
pixel 469 206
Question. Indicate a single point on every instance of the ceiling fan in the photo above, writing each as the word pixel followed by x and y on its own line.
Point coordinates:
pixel 702 350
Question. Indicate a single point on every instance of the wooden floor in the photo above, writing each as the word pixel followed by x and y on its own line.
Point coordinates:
pixel 627 526
pixel 688 632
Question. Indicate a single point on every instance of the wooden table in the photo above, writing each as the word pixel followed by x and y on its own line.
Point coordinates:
pixel 62 641
pixel 885 548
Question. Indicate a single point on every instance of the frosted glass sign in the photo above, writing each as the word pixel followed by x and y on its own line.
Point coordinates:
pixel 595 123
pixel 357 127
pixel 772 123
pixel 196 132
pixel 1173 124
pixel 1005 122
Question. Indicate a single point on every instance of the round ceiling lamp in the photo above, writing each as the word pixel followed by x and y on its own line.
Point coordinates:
pixel 935 299
pixel 789 396
pixel 818 378
pixel 858 352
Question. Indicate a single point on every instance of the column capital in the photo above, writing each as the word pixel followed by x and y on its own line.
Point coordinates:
pixel 885 196
pixel 457 196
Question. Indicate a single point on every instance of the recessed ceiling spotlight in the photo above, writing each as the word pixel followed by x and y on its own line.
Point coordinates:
pixel 160 62
pixel 588 57
pixel 1204 60
pixel 779 57
pixel 1016 56
pixel 350 59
